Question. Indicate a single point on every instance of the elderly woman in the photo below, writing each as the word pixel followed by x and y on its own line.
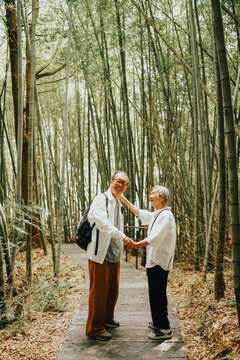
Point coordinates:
pixel 160 243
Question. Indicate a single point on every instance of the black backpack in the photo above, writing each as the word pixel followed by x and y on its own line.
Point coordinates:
pixel 84 229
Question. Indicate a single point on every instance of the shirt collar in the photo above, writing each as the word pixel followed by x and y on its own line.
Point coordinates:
pixel 110 195
pixel 160 210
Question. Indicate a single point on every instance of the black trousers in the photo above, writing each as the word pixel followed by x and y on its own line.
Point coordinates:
pixel 157 290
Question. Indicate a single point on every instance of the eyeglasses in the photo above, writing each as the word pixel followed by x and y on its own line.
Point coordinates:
pixel 121 181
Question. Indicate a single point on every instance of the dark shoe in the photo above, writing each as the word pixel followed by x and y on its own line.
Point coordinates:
pixel 102 336
pixel 152 327
pixel 112 324
pixel 160 335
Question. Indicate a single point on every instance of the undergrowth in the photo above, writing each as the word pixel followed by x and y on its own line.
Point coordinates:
pixel 46 294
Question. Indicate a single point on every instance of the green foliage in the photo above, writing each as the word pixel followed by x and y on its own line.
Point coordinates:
pixel 160 101
pixel 49 297
pixel 46 295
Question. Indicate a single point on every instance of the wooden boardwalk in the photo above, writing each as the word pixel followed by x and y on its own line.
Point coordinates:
pixel 130 340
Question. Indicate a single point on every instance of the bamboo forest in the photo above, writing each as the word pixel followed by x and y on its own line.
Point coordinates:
pixel 90 87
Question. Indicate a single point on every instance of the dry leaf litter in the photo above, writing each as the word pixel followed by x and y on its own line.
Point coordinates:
pixel 210 329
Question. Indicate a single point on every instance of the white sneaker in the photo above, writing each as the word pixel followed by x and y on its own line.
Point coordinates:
pixel 152 327
pixel 161 334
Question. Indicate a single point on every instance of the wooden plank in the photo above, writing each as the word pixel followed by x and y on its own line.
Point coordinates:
pixel 130 340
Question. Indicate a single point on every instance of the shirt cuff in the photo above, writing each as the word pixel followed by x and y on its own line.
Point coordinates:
pixel 122 236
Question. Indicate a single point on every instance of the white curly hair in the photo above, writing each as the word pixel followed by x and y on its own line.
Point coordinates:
pixel 161 191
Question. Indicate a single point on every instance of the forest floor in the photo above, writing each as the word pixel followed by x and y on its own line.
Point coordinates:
pixel 209 328
pixel 46 310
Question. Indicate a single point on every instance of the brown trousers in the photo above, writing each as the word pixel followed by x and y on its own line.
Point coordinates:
pixel 103 294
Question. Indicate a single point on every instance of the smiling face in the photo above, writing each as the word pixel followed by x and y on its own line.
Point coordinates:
pixel 119 184
pixel 157 201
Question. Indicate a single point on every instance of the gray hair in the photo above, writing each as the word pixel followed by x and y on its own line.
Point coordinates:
pixel 119 172
pixel 161 191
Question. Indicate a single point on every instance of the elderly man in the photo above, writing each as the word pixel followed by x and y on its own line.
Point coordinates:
pixel 104 254
pixel 160 243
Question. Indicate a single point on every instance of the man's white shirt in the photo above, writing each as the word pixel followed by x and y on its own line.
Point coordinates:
pixel 104 221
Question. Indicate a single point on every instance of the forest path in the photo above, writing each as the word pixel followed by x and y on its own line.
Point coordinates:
pixel 130 340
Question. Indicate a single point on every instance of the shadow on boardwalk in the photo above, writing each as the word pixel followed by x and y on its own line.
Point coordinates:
pixel 130 340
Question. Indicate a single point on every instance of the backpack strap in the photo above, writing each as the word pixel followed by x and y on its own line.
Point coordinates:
pixel 106 204
pixel 160 212
pixel 92 226
pixel 97 235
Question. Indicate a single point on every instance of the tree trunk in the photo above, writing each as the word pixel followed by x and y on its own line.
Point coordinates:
pixel 219 284
pixel 20 106
pixel 130 165
pixel 197 119
pixel 2 290
pixel 60 207
pixel 11 18
pixel 2 278
pixel 31 141
pixel 231 146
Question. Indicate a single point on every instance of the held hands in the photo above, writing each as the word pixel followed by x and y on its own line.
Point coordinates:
pixel 127 240
pixel 136 245
pixel 130 243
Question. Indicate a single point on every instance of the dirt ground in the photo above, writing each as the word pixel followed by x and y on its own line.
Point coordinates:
pixel 209 328
pixel 46 314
